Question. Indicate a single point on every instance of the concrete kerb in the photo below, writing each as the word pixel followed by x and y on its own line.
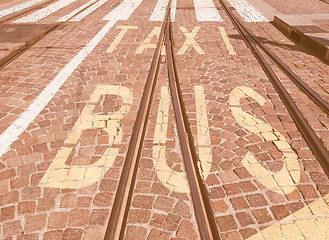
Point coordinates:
pixel 304 31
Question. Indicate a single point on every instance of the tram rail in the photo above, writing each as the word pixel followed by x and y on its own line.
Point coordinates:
pixel 19 51
pixel 314 142
pixel 202 207
pixel 204 214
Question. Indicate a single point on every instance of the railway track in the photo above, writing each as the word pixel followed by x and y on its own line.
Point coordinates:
pixel 203 209
pixel 202 206
pixel 19 51
pixel 208 228
pixel 313 141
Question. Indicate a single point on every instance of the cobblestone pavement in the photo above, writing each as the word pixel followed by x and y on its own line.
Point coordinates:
pixel 68 105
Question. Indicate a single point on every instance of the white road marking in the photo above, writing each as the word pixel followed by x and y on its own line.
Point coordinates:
pixel 19 7
pixel 247 11
pixel 71 14
pixel 42 13
pixel 124 10
pixel 12 133
pixel 88 11
pixel 206 11
pixel 159 11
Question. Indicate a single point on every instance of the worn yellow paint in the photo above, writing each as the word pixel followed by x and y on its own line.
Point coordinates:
pixel 170 178
pixel 283 180
pixel 227 41
pixel 118 38
pixel 61 175
pixel 310 222
pixel 204 144
pixel 190 41
pixel 147 42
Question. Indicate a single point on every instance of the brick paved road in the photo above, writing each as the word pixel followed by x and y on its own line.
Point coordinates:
pixel 69 103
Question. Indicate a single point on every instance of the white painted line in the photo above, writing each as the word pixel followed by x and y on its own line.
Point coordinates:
pixel 23 121
pixel 88 11
pixel 247 11
pixel 124 10
pixel 206 11
pixel 42 13
pixel 71 14
pixel 19 7
pixel 159 11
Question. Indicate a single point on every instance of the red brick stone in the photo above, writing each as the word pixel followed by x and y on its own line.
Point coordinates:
pixel 7 174
pixel 33 236
pixel 172 222
pixel 26 207
pixel 247 232
pixel 35 222
pixel 159 188
pixel 232 189
pixel 216 192
pixel 244 219
pixel 135 232
pixel 72 234
pixel 79 217
pixel 308 191
pixel 31 193
pixel 182 209
pixel 247 186
pixel 26 169
pixel 84 202
pixel 158 220
pixel 45 204
pixel 8 198
pixel 68 201
pixel 220 206
pixel 12 228
pixel 58 220
pixel 35 178
pixel 139 216
pixel 98 217
pixel 19 182
pixel 186 230
pixel 164 203
pixel 280 211
pixel 94 233
pixel 157 234
pixel 53 235
pixel 230 236
pixel 262 215
pixel 256 200
pixel 226 223
pixel 239 203
pixel 7 213
pixel 108 184
pixel 143 201
pixel 103 199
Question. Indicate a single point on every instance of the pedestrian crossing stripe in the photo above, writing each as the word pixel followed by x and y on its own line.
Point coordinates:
pixel 205 11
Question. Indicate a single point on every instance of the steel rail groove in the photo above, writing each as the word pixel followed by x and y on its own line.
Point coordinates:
pixel 119 213
pixel 202 207
pixel 19 51
pixel 296 79
pixel 314 142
